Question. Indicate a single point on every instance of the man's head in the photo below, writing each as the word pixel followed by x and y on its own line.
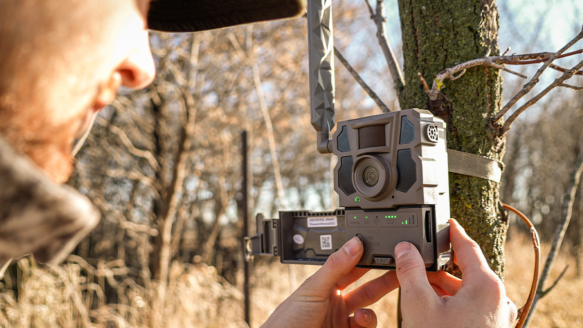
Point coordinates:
pixel 60 62
pixel 63 60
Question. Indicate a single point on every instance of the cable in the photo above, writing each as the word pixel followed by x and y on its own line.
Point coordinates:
pixel 523 313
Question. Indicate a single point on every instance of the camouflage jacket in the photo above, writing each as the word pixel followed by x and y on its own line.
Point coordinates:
pixel 37 215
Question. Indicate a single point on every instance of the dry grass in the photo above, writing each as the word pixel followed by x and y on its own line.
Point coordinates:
pixel 71 295
pixel 63 297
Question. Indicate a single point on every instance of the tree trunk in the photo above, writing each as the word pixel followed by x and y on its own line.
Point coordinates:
pixel 438 34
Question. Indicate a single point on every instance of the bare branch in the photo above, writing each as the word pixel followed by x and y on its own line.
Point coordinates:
pixel 453 78
pixel 535 58
pixel 379 18
pixel 425 86
pixel 548 290
pixel 567 75
pixel 535 79
pixel 574 87
pixel 564 70
pixel 132 149
pixel 138 228
pixel 360 81
pixel 449 73
pixel 369 8
pixel 567 212
pixel 503 68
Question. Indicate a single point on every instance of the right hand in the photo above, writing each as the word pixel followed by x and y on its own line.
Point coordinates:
pixel 320 303
pixel 442 300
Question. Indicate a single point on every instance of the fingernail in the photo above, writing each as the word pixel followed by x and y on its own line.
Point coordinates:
pixel 402 249
pixel 367 316
pixel 353 246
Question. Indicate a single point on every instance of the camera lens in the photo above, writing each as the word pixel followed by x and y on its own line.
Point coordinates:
pixel 370 176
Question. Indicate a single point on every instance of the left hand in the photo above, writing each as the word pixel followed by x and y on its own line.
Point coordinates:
pixel 319 301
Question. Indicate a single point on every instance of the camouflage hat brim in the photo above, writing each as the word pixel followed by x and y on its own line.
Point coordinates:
pixel 200 15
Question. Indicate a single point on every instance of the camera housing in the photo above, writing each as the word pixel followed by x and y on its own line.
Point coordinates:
pixel 391 179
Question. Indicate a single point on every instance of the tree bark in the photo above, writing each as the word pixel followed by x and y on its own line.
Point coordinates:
pixel 437 35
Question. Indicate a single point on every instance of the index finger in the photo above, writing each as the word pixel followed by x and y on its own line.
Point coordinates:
pixel 370 292
pixel 468 255
pixel 351 277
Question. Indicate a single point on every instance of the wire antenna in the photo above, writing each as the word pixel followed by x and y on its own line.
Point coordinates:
pixel 322 88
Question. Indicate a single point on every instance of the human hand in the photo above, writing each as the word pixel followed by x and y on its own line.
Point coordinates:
pixel 319 301
pixel 442 300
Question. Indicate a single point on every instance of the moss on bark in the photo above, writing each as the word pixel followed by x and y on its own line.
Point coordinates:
pixel 438 34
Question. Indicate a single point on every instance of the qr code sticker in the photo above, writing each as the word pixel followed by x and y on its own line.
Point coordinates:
pixel 326 242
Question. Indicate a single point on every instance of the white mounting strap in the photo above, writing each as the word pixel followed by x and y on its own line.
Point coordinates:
pixel 474 165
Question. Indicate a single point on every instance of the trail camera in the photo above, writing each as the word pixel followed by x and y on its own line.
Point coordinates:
pixel 391 178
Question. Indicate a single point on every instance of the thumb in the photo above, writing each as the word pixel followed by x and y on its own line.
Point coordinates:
pixel 337 266
pixel 412 275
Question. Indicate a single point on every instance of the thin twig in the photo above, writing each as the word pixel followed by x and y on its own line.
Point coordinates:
pixel 379 18
pixel 132 149
pixel 425 86
pixel 567 212
pixel 535 58
pixel 574 87
pixel 548 290
pixel 558 82
pixel 564 70
pixel 535 79
pixel 360 81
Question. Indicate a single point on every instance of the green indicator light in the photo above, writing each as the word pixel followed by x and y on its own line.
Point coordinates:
pixel 355 217
pixel 402 222
pixel 357 199
pixel 406 221
pixel 366 217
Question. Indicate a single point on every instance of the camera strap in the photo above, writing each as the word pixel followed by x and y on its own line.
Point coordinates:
pixel 474 165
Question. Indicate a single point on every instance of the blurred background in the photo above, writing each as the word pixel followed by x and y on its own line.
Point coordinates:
pixel 164 167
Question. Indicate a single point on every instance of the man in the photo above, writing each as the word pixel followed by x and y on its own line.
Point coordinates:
pixel 62 61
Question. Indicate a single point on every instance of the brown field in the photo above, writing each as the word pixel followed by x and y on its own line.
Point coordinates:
pixel 197 297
